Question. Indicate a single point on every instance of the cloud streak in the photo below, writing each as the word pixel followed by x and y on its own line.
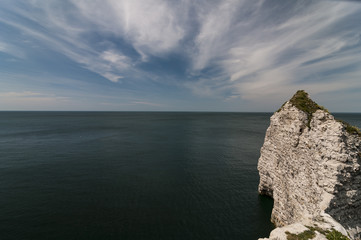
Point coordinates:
pixel 230 49
pixel 11 50
pixel 269 58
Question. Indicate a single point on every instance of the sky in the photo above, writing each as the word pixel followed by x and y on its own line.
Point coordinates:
pixel 178 55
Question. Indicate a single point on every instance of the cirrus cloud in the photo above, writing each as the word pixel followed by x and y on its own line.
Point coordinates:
pixel 238 51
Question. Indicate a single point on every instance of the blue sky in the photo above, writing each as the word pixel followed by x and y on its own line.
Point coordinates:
pixel 184 55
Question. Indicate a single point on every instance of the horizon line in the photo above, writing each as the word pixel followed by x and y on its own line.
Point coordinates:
pixel 151 111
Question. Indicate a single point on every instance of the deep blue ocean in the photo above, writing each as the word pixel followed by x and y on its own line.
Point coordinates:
pixel 133 175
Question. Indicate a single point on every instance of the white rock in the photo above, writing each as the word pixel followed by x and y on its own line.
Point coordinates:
pixel 311 171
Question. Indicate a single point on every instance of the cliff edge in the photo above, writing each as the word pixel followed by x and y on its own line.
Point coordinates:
pixel 310 165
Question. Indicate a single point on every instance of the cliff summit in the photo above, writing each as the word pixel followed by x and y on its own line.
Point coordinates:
pixel 310 165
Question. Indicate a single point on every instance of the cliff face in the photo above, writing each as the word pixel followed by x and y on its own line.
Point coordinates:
pixel 310 166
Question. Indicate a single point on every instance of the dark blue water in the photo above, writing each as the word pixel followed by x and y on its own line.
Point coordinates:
pixel 83 175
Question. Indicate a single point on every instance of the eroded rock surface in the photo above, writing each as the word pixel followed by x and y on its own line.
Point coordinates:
pixel 310 166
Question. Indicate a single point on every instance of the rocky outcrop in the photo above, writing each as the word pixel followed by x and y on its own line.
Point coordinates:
pixel 310 166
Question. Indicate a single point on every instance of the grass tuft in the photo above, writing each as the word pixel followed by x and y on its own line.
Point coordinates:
pixel 336 235
pixel 308 234
pixel 349 128
pixel 311 233
pixel 318 229
pixel 302 101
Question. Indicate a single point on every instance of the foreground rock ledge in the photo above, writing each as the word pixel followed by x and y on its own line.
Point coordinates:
pixel 310 166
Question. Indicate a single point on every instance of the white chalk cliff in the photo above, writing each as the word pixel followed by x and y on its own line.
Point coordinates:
pixel 310 166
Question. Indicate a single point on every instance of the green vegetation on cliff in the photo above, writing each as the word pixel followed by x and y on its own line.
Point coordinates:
pixel 302 101
pixel 308 234
pixel 311 233
pixel 349 128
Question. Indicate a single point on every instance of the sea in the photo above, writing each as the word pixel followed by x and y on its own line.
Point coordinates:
pixel 133 175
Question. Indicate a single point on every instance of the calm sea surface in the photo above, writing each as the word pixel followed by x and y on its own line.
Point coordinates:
pixel 91 175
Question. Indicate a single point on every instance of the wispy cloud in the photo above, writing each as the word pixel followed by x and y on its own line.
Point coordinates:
pixel 147 103
pixel 151 26
pixel 20 94
pixel 266 58
pixel 12 50
pixel 215 31
pixel 31 100
pixel 250 50
pixel 32 96
pixel 59 34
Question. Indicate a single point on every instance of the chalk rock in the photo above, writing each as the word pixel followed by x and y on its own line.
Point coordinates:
pixel 310 166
